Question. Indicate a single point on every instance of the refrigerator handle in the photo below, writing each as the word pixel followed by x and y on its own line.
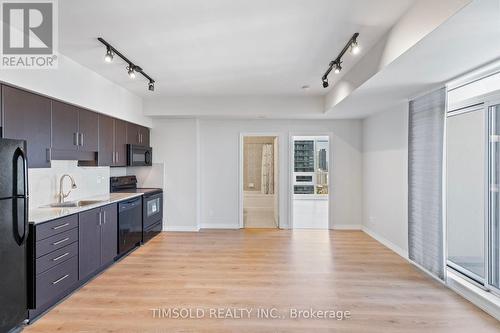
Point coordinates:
pixel 20 153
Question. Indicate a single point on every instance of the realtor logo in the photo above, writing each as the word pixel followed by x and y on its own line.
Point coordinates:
pixel 29 34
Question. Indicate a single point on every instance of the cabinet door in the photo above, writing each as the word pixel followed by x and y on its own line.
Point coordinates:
pixel 133 134
pixel 109 234
pixel 89 242
pixel 88 129
pixel 145 136
pixel 64 126
pixel 120 143
pixel 27 117
pixel 105 155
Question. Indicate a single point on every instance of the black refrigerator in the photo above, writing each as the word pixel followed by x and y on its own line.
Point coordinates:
pixel 13 233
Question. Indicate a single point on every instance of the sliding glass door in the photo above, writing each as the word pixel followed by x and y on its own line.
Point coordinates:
pixel 473 193
pixel 466 158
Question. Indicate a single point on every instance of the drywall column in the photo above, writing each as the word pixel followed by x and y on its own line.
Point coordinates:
pixel 385 178
pixel 176 144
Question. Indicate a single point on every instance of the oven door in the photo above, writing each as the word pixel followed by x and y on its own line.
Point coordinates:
pixel 152 209
pixel 139 155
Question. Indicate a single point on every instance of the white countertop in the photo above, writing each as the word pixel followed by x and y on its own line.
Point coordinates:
pixel 44 214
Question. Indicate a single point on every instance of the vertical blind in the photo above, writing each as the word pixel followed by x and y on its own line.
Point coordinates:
pixel 425 175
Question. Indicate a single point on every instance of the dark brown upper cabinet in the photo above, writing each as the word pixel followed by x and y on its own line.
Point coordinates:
pixel 106 154
pixel 74 129
pixel 64 126
pixel 27 116
pixel 120 143
pixel 137 135
pixel 88 130
pixel 112 142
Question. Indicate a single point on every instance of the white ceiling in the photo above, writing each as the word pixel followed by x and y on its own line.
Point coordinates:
pixel 466 41
pixel 222 47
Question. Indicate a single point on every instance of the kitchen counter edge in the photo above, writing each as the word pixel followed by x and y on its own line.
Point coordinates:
pixel 44 214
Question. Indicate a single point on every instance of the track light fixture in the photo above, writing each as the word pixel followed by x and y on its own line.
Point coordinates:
pixel 131 68
pixel 109 55
pixel 131 71
pixel 355 48
pixel 338 68
pixel 336 65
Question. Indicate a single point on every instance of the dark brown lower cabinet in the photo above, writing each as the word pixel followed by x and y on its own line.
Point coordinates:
pixel 53 262
pixel 109 234
pixel 97 239
pixel 89 232
pixel 65 253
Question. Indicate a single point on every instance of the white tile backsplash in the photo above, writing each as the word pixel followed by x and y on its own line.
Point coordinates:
pixel 44 183
pixel 152 176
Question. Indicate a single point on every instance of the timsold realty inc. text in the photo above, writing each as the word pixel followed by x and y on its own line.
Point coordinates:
pixel 248 313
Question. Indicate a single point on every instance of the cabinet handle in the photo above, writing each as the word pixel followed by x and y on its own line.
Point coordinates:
pixel 104 216
pixel 61 256
pixel 61 241
pixel 117 157
pixel 48 154
pixel 100 218
pixel 60 279
pixel 60 226
pixel 75 139
pixel 81 139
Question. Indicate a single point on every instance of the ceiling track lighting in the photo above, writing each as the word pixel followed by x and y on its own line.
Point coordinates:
pixel 131 68
pixel 336 65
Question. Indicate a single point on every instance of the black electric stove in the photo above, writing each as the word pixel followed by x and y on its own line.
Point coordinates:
pixel 128 184
pixel 152 204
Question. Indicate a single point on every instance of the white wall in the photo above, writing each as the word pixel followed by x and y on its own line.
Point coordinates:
pixel 76 84
pixel 201 160
pixel 234 107
pixel 385 178
pixel 175 143
pixel 220 167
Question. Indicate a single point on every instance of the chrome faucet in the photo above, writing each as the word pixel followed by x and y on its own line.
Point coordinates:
pixel 61 194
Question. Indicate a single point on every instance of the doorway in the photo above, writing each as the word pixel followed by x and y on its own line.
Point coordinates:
pixel 310 182
pixel 260 181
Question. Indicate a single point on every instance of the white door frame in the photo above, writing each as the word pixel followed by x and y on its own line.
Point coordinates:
pixel 240 174
pixel 291 169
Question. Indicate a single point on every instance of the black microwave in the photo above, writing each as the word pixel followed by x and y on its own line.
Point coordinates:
pixel 139 155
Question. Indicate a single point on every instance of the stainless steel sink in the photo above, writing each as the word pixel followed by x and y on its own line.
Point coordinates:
pixel 80 203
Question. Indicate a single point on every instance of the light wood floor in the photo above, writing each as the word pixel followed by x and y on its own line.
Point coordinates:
pixel 340 270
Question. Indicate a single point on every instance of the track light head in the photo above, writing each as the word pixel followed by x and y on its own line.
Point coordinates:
pixel 355 48
pixel 109 55
pixel 131 71
pixel 325 83
pixel 338 67
pixel 151 86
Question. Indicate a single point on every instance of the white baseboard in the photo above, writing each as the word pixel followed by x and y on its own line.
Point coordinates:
pixel 219 226
pixel 346 227
pixel 385 242
pixel 180 228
